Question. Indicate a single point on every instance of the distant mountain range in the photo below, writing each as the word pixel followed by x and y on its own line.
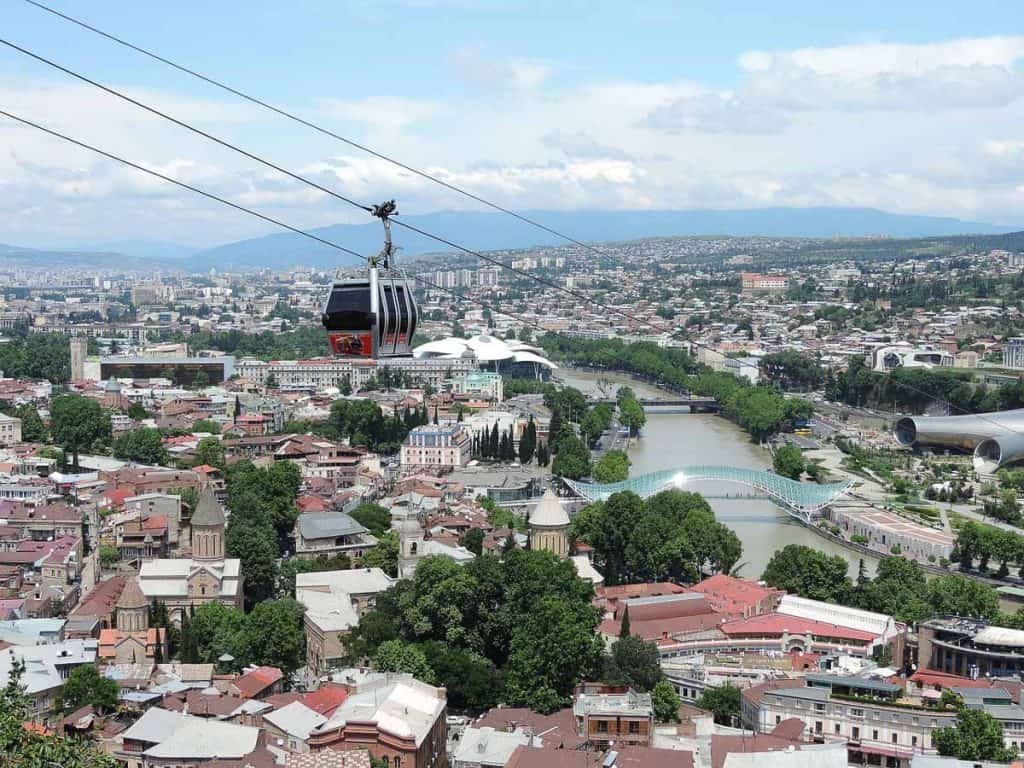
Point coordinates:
pixel 496 231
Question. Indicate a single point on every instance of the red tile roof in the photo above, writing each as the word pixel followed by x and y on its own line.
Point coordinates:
pixel 326 700
pixel 731 595
pixel 253 683
pixel 777 623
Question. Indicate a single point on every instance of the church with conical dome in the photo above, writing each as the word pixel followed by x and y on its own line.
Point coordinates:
pixel 133 641
pixel 205 577
pixel 549 526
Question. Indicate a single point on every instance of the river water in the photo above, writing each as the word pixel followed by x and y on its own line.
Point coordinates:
pixel 677 440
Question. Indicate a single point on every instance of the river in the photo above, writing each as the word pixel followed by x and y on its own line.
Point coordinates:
pixel 678 440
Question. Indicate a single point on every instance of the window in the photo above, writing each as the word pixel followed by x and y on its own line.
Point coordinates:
pixel 895 738
pixel 855 733
pixel 874 735
pixel 837 729
pixel 913 741
pixel 817 727
pixel 634 727
pixel 856 712
pixel 602 726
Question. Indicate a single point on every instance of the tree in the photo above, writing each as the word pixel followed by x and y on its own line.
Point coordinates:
pixel 84 686
pixel 209 451
pixel 206 425
pixel 976 736
pixel 384 554
pixel 202 379
pixel 32 428
pixel 665 702
pixel 399 656
pixel 109 556
pixel 528 442
pixel 613 467
pixel 472 681
pixel 722 702
pixel 24 748
pixel 553 647
pixel 77 423
pixel 899 589
pixel 255 544
pixel 572 461
pixel 962 596
pixel 375 518
pixel 809 573
pixel 788 461
pixel 273 635
pixel 625 630
pixel 634 662
pixel 271 381
pixel 145 446
pixel 473 540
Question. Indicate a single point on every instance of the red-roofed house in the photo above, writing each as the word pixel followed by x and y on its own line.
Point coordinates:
pixel 738 598
pixel 259 681
pixel 327 699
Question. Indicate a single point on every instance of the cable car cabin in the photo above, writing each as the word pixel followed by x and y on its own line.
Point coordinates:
pixel 371 318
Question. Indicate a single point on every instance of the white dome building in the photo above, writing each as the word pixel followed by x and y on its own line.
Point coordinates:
pixel 492 353
pixel 549 526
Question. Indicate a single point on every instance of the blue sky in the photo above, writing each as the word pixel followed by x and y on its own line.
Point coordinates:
pixel 911 107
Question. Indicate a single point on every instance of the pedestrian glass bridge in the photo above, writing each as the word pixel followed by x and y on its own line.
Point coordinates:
pixel 803 499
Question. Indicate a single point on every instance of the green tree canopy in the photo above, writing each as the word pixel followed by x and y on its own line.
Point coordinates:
pixel 722 702
pixel 672 535
pixel 809 573
pixel 144 445
pixel 665 702
pixel 613 467
pixel 399 656
pixel 85 685
pixel 375 518
pixel 209 451
pixel 634 662
pixel 77 423
pixel 975 736
pixel 788 461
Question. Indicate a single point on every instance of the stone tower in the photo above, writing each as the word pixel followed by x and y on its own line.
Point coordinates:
pixel 79 349
pixel 549 526
pixel 207 528
pixel 132 608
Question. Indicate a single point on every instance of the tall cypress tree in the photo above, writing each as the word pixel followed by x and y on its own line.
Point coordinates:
pixel 624 626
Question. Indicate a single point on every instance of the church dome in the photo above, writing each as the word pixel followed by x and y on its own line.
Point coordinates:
pixel 208 512
pixel 549 513
pixel 131 596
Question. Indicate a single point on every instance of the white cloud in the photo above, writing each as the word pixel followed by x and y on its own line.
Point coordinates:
pixel 384 112
pixel 908 128
pixel 473 67
pixel 977 73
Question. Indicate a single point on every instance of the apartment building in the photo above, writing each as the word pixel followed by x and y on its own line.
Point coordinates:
pixel 437 446
pixel 10 430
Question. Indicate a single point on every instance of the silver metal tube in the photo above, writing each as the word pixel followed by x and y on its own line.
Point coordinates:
pixel 968 433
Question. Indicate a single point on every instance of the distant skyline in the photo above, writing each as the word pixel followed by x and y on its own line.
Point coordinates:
pixel 908 107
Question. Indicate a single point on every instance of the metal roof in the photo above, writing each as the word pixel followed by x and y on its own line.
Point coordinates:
pixel 323 525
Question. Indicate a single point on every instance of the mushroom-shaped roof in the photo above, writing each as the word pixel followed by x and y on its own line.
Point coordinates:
pixel 489 348
pixel 549 513
pixel 208 511
pixel 530 357
pixel 449 347
pixel 131 596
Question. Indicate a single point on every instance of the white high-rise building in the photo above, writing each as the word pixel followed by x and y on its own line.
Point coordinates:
pixel 1013 352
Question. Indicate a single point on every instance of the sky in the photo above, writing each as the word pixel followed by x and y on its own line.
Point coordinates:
pixel 910 107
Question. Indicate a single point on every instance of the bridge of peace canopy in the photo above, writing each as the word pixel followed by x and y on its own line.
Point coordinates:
pixel 802 499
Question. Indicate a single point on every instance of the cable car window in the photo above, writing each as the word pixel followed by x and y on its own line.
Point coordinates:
pixel 392 313
pixel 348 307
pixel 402 298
